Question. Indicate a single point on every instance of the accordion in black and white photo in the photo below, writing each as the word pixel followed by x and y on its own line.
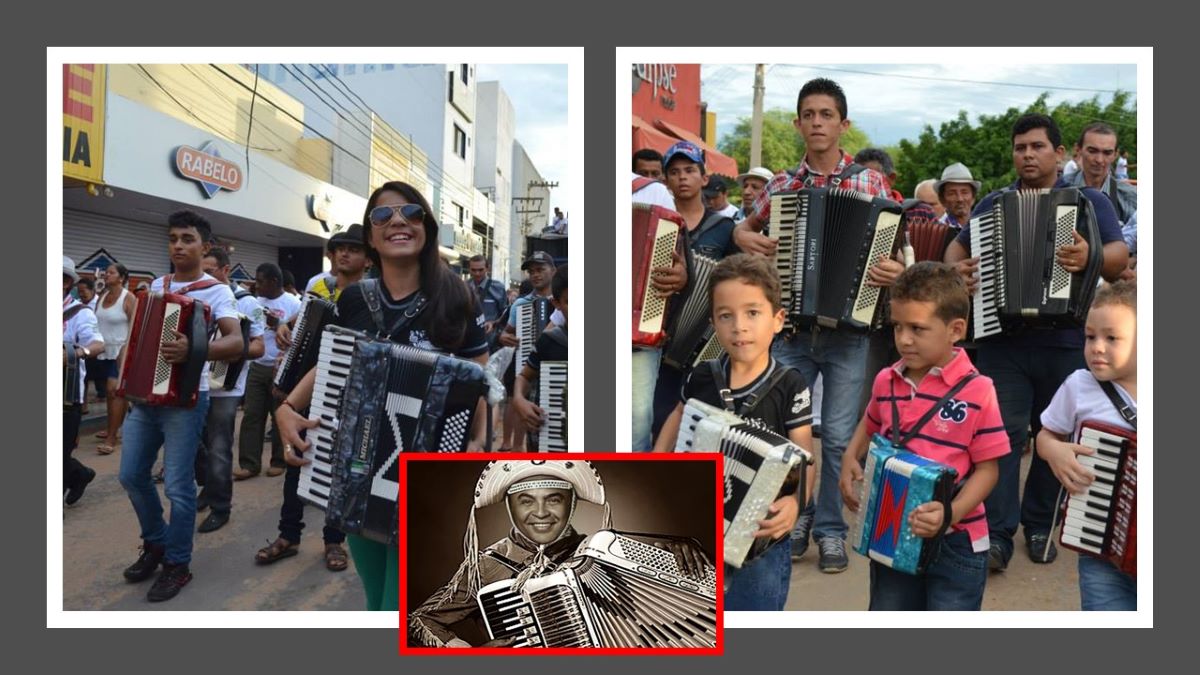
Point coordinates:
pixel 315 314
pixel 1020 280
pixel 828 239
pixel 760 467
pixel 619 590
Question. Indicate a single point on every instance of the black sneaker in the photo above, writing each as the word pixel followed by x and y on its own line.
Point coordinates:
pixel 833 555
pixel 1041 549
pixel 800 535
pixel 215 521
pixel 996 561
pixel 147 562
pixel 77 489
pixel 169 583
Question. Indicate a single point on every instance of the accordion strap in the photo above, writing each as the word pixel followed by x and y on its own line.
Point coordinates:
pixel 198 286
pixel 752 401
pixel 70 313
pixel 370 289
pixel 1127 412
pixel 903 441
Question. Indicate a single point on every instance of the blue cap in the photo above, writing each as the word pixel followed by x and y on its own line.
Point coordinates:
pixel 685 148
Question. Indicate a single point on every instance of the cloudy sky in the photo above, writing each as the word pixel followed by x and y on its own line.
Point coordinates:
pixel 539 97
pixel 891 102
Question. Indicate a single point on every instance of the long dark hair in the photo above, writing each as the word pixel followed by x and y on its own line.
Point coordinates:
pixel 451 305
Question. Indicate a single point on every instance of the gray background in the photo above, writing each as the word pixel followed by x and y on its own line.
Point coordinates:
pixel 30 27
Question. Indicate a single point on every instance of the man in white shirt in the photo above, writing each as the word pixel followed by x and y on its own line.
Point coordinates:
pixel 214 461
pixel 716 195
pixel 81 340
pixel 176 429
pixel 280 308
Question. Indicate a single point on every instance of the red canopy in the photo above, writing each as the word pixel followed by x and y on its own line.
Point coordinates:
pixel 662 135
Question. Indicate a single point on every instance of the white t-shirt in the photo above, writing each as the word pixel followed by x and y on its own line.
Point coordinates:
pixel 247 306
pixel 654 194
pixel 1070 169
pixel 285 308
pixel 80 331
pixel 218 298
pixel 318 278
pixel 730 211
pixel 1080 398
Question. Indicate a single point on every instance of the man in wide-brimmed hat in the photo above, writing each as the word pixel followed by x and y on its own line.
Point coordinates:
pixel 957 190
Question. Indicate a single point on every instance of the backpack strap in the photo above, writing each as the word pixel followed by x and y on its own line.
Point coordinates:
pixel 1127 412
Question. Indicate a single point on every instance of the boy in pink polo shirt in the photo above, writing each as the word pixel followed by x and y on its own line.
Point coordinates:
pixel 929 312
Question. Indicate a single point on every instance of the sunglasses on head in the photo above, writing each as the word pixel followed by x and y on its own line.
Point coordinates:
pixel 382 215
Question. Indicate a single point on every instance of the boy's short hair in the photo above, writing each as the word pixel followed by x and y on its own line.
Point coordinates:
pixel 270 271
pixel 219 254
pixel 822 85
pixel 558 283
pixel 938 283
pixel 1123 293
pixel 185 219
pixel 754 270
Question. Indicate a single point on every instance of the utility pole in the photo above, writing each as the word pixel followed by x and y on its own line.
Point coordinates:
pixel 756 118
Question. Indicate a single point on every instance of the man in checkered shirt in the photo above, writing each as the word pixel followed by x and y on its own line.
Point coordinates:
pixel 839 354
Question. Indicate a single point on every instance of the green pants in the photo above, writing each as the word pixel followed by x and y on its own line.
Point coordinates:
pixel 259 403
pixel 378 566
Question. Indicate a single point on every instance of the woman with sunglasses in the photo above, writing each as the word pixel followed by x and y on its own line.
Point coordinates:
pixel 401 237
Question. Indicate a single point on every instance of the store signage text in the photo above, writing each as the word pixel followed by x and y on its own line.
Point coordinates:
pixel 206 166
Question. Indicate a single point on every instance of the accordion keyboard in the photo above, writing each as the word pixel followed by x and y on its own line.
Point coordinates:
pixel 552 398
pixel 332 370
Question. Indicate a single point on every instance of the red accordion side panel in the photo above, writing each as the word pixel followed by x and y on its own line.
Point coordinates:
pixel 146 377
pixel 657 232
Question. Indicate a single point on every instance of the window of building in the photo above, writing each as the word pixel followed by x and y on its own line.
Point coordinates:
pixel 460 142
pixel 350 68
pixel 368 67
pixel 460 214
pixel 450 95
pixel 464 73
pixel 389 66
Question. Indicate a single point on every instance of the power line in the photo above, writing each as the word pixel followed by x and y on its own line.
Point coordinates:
pixel 945 79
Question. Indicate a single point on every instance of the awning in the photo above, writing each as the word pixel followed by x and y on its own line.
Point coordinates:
pixel 662 135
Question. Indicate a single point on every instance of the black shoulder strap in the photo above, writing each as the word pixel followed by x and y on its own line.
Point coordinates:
pixel 1127 412
pixel 755 398
pixel 1114 196
pixel 706 224
pixel 916 428
pixel 718 375
pixel 240 293
pixel 370 289
pixel 70 313
pixel 330 285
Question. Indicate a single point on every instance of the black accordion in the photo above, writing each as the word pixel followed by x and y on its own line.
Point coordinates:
pixel 691 334
pixel 225 374
pixel 315 314
pixel 552 399
pixel 71 393
pixel 375 399
pixel 1020 280
pixel 619 590
pixel 532 318
pixel 828 239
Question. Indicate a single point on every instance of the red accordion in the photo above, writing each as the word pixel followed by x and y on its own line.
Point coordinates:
pixel 656 235
pixel 928 238
pixel 1102 520
pixel 146 377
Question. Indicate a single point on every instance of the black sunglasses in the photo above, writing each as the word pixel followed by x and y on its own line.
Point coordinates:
pixel 382 215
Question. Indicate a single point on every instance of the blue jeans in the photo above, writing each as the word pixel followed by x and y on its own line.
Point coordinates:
pixel 840 356
pixel 954 581
pixel 761 585
pixel 644 376
pixel 1103 587
pixel 218 449
pixel 177 431
pixel 1026 379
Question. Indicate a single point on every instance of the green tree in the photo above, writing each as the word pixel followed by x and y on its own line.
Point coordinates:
pixel 986 147
pixel 782 145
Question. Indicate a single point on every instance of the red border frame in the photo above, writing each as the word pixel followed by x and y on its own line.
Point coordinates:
pixel 599 457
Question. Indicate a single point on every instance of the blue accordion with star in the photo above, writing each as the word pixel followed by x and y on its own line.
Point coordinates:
pixel 894 483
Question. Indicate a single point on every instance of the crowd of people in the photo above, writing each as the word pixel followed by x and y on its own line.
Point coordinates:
pixel 429 305
pixel 1022 382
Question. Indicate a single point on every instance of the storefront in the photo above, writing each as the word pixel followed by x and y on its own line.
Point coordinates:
pixel 667 109
pixel 155 164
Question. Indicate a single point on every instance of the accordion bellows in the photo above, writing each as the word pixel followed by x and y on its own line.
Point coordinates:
pixel 619 590
pixel 894 483
pixel 760 466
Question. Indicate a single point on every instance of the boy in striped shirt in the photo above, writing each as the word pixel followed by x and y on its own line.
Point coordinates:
pixel 929 314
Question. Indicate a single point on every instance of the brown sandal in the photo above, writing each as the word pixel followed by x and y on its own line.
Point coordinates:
pixel 277 550
pixel 336 559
